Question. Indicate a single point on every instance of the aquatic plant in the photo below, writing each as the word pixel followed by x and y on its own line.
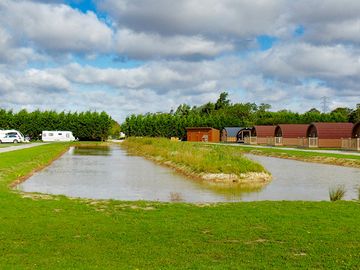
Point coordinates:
pixel 176 197
pixel 337 193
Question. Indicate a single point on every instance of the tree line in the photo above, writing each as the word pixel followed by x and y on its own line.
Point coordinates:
pixel 222 114
pixel 87 125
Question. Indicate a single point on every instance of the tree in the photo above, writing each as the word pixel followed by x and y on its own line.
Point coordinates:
pixel 222 101
pixel 208 108
pixel 264 107
pixel 183 110
pixel 355 114
pixel 85 126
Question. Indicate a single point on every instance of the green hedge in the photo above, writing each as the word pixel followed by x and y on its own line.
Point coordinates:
pixel 87 125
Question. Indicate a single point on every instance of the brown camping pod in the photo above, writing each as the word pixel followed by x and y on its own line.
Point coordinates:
pixel 290 134
pixel 327 134
pixel 352 143
pixel 261 135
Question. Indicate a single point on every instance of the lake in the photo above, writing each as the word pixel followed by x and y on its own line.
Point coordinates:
pixel 110 173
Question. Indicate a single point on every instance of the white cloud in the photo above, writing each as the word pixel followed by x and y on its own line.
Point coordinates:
pixel 152 45
pixel 55 27
pixel 302 60
pixel 11 53
pixel 327 21
pixel 193 17
pixel 168 36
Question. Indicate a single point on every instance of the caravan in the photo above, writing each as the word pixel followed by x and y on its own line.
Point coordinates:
pixel 57 136
pixel 11 136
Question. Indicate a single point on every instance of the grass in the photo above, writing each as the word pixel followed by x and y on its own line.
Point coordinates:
pixel 55 232
pixel 337 193
pixel 193 157
pixel 325 158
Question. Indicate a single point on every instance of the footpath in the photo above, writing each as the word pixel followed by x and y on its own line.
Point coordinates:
pixel 340 152
pixel 19 147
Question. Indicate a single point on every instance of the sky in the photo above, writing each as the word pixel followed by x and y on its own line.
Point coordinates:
pixel 138 56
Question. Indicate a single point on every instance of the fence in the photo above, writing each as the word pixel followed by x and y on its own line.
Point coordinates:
pixel 308 142
pixel 250 140
pixel 351 144
pixel 270 141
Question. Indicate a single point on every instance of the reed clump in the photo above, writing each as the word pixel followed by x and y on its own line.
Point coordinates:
pixel 337 193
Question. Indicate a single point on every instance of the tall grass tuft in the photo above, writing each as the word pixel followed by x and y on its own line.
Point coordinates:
pixel 337 193
pixel 358 191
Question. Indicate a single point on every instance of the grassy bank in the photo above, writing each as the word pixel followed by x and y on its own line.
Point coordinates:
pixel 348 160
pixel 54 232
pixel 207 162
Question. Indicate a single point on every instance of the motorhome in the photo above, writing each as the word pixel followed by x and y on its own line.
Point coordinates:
pixel 57 136
pixel 11 136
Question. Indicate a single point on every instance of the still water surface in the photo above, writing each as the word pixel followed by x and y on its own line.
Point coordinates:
pixel 109 173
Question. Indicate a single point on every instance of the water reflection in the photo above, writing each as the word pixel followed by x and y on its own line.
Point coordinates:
pixel 101 150
pixel 109 173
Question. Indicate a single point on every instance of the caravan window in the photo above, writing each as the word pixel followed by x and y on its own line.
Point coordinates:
pixel 44 135
pixel 59 134
pixel 51 134
pixel 67 135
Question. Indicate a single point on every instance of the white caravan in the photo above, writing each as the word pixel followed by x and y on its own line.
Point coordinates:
pixel 57 136
pixel 11 136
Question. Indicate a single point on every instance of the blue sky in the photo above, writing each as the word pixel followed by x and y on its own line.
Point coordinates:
pixel 138 56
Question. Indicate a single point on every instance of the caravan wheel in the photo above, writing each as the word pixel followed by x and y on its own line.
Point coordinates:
pixel 15 141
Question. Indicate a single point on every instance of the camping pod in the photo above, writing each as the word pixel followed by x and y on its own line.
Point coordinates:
pixel 262 135
pixel 328 134
pixel 243 135
pixel 229 134
pixel 352 143
pixel 290 134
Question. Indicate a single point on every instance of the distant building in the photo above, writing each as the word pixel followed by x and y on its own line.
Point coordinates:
pixel 352 143
pixel 202 134
pixel 356 130
pixel 262 135
pixel 290 134
pixel 328 134
pixel 229 134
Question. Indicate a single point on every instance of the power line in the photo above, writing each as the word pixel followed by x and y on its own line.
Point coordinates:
pixel 325 103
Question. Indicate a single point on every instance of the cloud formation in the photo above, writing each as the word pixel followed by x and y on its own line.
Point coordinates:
pixel 55 56
pixel 55 28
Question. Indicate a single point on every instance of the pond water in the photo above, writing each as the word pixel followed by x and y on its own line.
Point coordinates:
pixel 110 173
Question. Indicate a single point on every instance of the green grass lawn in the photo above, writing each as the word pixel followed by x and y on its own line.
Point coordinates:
pixel 56 232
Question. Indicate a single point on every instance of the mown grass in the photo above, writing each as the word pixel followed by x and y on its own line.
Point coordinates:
pixel 326 158
pixel 196 157
pixel 56 232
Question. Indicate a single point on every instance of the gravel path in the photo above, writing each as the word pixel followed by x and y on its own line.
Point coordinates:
pixel 19 147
